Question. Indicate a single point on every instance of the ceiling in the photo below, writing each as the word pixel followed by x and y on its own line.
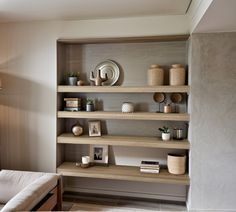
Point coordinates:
pixel 34 10
pixel 219 17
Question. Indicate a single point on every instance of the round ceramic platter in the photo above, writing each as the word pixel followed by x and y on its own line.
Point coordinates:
pixel 111 69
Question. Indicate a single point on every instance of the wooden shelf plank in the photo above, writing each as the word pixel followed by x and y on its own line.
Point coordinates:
pixel 132 141
pixel 129 173
pixel 123 89
pixel 124 116
pixel 160 38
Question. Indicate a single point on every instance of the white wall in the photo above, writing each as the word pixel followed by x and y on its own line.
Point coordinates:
pixel 28 72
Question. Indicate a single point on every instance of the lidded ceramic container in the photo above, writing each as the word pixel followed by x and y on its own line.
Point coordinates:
pixel 177 75
pixel 155 75
pixel 127 107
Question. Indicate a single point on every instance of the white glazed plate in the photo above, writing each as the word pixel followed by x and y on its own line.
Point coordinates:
pixel 111 69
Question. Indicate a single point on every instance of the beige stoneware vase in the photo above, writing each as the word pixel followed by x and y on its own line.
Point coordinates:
pixel 155 75
pixel 177 75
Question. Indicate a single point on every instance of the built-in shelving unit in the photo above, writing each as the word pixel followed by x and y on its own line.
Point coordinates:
pixel 131 141
pixel 70 58
pixel 114 172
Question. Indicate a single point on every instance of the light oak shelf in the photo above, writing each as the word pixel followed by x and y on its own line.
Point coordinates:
pixel 125 116
pixel 132 141
pixel 123 89
pixel 114 172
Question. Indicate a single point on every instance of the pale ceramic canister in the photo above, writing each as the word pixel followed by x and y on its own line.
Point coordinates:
pixel 127 107
pixel 177 75
pixel 155 75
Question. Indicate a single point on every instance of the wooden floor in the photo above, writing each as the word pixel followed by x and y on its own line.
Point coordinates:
pixel 117 204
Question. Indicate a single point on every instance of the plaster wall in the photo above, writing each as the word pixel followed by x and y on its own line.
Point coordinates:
pixel 213 120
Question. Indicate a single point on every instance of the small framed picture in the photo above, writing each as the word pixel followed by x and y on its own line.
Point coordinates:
pixel 94 128
pixel 99 154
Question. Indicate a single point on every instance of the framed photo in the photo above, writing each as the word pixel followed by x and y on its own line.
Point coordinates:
pixel 94 128
pixel 99 154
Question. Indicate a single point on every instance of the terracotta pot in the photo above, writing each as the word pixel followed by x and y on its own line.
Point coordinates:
pixel 176 163
pixel 177 75
pixel 155 75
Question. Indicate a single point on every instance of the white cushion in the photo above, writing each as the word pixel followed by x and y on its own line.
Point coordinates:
pixel 32 194
pixel 12 182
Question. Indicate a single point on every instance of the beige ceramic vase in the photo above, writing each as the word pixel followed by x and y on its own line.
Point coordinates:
pixel 177 75
pixel 155 75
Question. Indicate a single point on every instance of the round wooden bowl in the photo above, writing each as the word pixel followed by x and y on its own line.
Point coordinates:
pixel 176 163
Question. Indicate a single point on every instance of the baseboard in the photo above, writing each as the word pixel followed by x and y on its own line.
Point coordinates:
pixel 126 194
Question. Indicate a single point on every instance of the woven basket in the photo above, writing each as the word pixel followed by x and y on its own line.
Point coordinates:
pixel 176 163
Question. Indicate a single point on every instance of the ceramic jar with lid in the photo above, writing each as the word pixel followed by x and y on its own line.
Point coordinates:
pixel 177 75
pixel 155 75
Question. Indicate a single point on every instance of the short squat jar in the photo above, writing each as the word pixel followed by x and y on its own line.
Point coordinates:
pixel 127 107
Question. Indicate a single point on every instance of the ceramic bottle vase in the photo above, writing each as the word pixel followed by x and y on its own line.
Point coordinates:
pixel 155 75
pixel 177 75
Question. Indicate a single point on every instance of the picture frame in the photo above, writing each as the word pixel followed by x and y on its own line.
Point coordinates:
pixel 99 154
pixel 94 128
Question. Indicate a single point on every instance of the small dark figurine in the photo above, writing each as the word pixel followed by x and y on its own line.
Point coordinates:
pixel 98 80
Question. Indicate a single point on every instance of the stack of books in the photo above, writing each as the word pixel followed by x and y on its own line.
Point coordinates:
pixel 150 167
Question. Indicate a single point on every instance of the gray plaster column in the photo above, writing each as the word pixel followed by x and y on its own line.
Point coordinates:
pixel 212 106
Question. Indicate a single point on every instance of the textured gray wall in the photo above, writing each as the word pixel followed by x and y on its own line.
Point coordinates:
pixel 213 121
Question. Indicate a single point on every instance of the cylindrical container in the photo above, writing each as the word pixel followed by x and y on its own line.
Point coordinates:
pixel 72 81
pixel 165 136
pixel 155 75
pixel 178 134
pixel 85 160
pixel 167 109
pixel 127 107
pixel 77 130
pixel 177 75
pixel 89 107
pixel 176 163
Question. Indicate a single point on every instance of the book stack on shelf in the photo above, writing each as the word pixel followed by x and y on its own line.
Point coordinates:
pixel 150 167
